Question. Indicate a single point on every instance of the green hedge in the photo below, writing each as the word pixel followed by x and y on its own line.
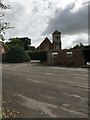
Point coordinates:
pixel 36 55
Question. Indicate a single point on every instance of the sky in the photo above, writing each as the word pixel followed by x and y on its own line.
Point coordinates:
pixel 39 19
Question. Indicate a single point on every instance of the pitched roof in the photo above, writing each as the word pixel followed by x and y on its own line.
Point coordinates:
pixel 45 41
pixel 56 32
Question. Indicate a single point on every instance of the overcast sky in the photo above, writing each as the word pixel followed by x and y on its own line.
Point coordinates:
pixel 39 19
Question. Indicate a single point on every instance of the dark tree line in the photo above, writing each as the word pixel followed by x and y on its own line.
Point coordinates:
pixel 81 46
pixel 25 42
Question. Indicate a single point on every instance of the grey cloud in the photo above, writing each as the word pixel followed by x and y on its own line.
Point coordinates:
pixel 26 23
pixel 30 19
pixel 80 40
pixel 15 14
pixel 19 19
pixel 68 22
pixel 89 39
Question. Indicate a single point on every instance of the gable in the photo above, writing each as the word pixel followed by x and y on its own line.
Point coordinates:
pixel 45 45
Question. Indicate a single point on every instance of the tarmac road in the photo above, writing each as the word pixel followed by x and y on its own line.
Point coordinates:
pixel 34 91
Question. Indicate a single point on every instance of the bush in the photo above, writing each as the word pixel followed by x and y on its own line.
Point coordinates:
pixel 17 54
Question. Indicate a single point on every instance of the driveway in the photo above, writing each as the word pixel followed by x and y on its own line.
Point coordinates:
pixel 31 90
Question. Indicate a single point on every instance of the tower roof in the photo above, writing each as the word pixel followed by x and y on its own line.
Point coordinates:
pixel 56 32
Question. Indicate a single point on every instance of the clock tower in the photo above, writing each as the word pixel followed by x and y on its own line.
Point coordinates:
pixel 56 37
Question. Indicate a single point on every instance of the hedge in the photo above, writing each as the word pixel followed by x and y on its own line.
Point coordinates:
pixel 36 55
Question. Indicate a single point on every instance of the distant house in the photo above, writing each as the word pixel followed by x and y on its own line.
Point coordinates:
pixel 54 45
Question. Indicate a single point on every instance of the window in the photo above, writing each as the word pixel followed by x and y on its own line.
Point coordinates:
pixel 54 54
pixel 68 54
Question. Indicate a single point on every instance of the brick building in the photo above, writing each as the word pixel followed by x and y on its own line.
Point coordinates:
pixel 74 57
pixel 54 45
pixel 57 56
pixel 46 45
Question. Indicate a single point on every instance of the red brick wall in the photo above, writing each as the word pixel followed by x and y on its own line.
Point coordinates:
pixel 77 58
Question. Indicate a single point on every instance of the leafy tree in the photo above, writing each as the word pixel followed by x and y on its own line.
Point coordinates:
pixel 87 47
pixel 32 48
pixel 81 46
pixel 17 54
pixel 75 47
pixel 25 42
pixel 3 25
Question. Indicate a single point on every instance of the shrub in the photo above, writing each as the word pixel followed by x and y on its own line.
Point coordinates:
pixel 16 54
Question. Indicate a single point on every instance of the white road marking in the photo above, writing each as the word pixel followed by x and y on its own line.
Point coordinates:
pixel 38 105
pixel 71 74
pixel 76 96
pixel 72 69
pixel 36 81
pixel 72 111
pixel 44 107
pixel 79 75
pixel 66 105
pixel 82 86
pixel 51 74
pixel 71 82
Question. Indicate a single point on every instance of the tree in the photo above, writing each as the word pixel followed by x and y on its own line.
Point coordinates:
pixel 3 25
pixel 25 42
pixel 81 46
pixel 32 48
pixel 15 50
pixel 16 54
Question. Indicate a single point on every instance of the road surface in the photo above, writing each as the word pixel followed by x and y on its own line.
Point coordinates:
pixel 34 91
